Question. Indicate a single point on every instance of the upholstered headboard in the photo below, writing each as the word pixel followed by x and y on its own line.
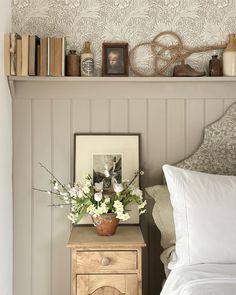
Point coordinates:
pixel 217 153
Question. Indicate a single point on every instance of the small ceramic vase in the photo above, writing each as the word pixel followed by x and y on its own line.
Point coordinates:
pixel 229 57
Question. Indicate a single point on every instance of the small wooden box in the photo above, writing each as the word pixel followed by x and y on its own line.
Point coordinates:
pixel 106 265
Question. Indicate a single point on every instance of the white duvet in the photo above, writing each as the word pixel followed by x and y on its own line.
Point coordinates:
pixel 202 279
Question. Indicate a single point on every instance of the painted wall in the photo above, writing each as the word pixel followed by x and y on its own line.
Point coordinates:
pixel 199 22
pixel 6 163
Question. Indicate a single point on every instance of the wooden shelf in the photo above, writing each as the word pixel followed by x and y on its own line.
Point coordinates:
pixel 121 85
pixel 123 79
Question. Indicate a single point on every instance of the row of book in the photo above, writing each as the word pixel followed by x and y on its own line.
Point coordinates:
pixel 33 56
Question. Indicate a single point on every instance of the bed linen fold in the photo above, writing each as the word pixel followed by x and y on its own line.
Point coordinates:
pixel 202 279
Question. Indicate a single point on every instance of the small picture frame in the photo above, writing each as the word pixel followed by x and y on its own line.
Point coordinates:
pixel 115 59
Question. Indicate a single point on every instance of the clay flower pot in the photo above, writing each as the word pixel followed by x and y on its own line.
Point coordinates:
pixel 106 224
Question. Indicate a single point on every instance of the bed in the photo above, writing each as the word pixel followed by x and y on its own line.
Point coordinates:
pixel 199 235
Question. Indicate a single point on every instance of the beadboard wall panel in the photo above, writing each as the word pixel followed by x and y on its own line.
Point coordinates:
pixel 22 196
pixel 61 155
pixel 170 128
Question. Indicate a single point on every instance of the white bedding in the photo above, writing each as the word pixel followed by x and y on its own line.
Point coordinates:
pixel 202 279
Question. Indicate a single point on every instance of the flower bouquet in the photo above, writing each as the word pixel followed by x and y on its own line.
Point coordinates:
pixel 106 209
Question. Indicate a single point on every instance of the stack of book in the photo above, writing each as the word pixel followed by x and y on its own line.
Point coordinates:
pixel 33 56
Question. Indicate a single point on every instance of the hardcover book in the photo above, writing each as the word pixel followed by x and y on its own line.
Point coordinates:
pixel 34 41
pixel 25 55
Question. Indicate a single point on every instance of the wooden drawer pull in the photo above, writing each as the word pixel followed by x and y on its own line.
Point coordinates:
pixel 105 261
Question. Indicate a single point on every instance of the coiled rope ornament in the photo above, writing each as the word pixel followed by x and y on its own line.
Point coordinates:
pixel 177 53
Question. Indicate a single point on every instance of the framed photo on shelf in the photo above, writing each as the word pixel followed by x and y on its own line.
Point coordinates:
pixel 115 59
pixel 117 154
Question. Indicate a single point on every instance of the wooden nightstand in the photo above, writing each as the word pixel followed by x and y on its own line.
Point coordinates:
pixel 106 265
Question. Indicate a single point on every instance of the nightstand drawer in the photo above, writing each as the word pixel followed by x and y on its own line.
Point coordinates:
pixel 106 261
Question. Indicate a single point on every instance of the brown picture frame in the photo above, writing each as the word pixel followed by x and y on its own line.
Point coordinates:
pixel 115 59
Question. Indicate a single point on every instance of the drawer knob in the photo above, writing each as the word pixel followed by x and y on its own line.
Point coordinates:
pixel 105 261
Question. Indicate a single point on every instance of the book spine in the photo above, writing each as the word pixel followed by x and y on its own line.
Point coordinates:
pixel 7 55
pixel 25 55
pixel 44 57
pixel 52 57
pixel 63 56
pixel 19 57
pixel 58 57
pixel 13 54
pixel 38 59
pixel 48 56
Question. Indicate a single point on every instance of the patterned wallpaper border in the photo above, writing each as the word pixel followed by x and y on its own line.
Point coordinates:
pixel 199 22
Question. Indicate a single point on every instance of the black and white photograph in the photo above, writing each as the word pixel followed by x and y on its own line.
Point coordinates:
pixel 107 169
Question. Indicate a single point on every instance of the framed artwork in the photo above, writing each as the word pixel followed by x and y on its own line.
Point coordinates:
pixel 119 154
pixel 115 59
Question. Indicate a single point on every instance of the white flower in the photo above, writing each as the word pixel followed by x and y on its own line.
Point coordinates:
pixel 142 211
pixel 137 192
pixel 141 172
pixel 86 189
pixel 56 186
pixel 106 172
pixel 98 186
pixel 98 197
pixel 73 192
pixel 80 194
pixel 119 208
pixel 118 187
pixel 107 200
pixel 142 205
pixel 91 209
pixel 102 209
pixel 88 182
pixel 123 216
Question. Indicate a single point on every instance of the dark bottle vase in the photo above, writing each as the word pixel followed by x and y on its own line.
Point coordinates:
pixel 72 64
pixel 215 66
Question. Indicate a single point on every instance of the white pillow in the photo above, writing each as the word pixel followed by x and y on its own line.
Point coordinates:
pixel 204 207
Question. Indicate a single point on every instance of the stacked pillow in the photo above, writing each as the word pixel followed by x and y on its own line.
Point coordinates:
pixel 204 209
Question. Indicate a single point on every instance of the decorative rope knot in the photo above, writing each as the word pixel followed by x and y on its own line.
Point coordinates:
pixel 164 56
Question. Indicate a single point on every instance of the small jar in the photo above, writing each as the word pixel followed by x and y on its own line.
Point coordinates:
pixel 72 64
pixel 215 66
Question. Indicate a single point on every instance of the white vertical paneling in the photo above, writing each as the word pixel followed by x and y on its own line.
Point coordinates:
pixel 156 140
pixel 194 124
pixel 214 108
pixel 22 190
pixel 175 130
pixel 80 116
pixel 228 102
pixel 43 132
pixel 41 260
pixel 100 116
pixel 138 124
pixel 119 116
pixel 60 224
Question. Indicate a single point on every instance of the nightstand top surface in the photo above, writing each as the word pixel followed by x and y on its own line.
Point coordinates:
pixel 125 237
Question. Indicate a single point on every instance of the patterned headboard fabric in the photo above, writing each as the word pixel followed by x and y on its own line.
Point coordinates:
pixel 217 153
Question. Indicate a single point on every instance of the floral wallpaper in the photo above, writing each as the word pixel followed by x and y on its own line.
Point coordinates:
pixel 198 22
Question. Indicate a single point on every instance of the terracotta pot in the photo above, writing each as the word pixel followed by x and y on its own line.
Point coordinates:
pixel 106 224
